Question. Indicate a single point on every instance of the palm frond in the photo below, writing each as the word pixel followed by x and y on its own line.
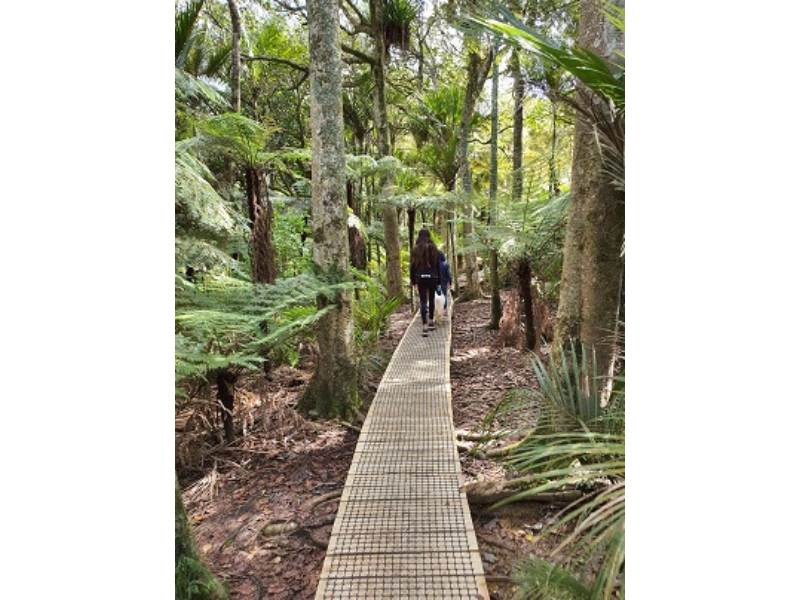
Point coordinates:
pixel 185 19
pixel 190 89
pixel 540 580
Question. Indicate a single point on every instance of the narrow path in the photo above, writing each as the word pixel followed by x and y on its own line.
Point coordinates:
pixel 403 529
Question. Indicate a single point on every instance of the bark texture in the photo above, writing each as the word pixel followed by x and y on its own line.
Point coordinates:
pixel 477 72
pixel 192 578
pixel 236 59
pixel 518 91
pixel 391 232
pixel 264 268
pixel 332 390
pixel 226 396
pixel 497 309
pixel 524 275
pixel 593 266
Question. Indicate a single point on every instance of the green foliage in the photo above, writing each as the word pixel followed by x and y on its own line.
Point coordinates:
pixel 294 256
pixel 185 19
pixel 371 310
pixel 398 15
pixel 435 125
pixel 593 71
pixel 193 90
pixel 238 137
pixel 604 78
pixel 195 61
pixel 540 580
pixel 569 395
pixel 533 230
pixel 577 442
pixel 200 211
pixel 230 322
pixel 193 580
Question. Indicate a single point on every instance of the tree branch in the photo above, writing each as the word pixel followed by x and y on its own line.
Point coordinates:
pixel 361 19
pixel 280 61
pixel 291 7
pixel 480 141
pixel 358 54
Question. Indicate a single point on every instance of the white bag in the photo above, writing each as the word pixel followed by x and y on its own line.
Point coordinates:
pixel 439 305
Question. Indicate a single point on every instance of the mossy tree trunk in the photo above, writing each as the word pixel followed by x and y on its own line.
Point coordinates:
pixel 236 60
pixel 332 390
pixel 593 265
pixel 193 580
pixel 477 72
pixel 391 228
pixel 497 308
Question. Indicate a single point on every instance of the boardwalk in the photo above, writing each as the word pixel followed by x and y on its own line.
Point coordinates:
pixel 403 529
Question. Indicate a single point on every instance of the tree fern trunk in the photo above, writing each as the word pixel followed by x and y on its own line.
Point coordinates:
pixel 226 395
pixel 524 277
pixel 264 267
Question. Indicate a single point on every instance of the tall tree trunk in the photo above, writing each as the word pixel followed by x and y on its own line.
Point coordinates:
pixel 477 72
pixel 236 59
pixel 554 187
pixel 191 574
pixel 497 308
pixel 593 266
pixel 391 230
pixel 524 282
pixel 412 215
pixel 226 396
pixel 332 390
pixel 264 268
pixel 518 91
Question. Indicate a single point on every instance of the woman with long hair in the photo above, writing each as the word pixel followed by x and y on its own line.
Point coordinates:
pixel 425 275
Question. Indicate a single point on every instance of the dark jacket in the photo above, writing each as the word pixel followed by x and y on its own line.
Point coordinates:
pixel 445 278
pixel 425 276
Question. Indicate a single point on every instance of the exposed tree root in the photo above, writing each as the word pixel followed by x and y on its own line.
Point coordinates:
pixel 470 436
pixel 482 493
pixel 498 579
pixel 274 528
pixel 350 426
pixel 313 502
pixel 495 542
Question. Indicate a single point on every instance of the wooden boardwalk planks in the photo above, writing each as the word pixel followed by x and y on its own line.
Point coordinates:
pixel 403 529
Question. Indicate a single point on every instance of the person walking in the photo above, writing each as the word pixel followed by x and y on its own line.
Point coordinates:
pixel 445 280
pixel 425 275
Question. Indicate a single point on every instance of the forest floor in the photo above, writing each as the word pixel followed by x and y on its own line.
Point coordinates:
pixel 262 510
pixel 253 510
pixel 483 374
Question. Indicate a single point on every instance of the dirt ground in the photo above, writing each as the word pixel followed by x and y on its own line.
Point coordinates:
pixel 251 506
pixel 262 510
pixel 483 374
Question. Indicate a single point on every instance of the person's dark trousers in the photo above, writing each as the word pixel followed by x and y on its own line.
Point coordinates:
pixel 427 293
